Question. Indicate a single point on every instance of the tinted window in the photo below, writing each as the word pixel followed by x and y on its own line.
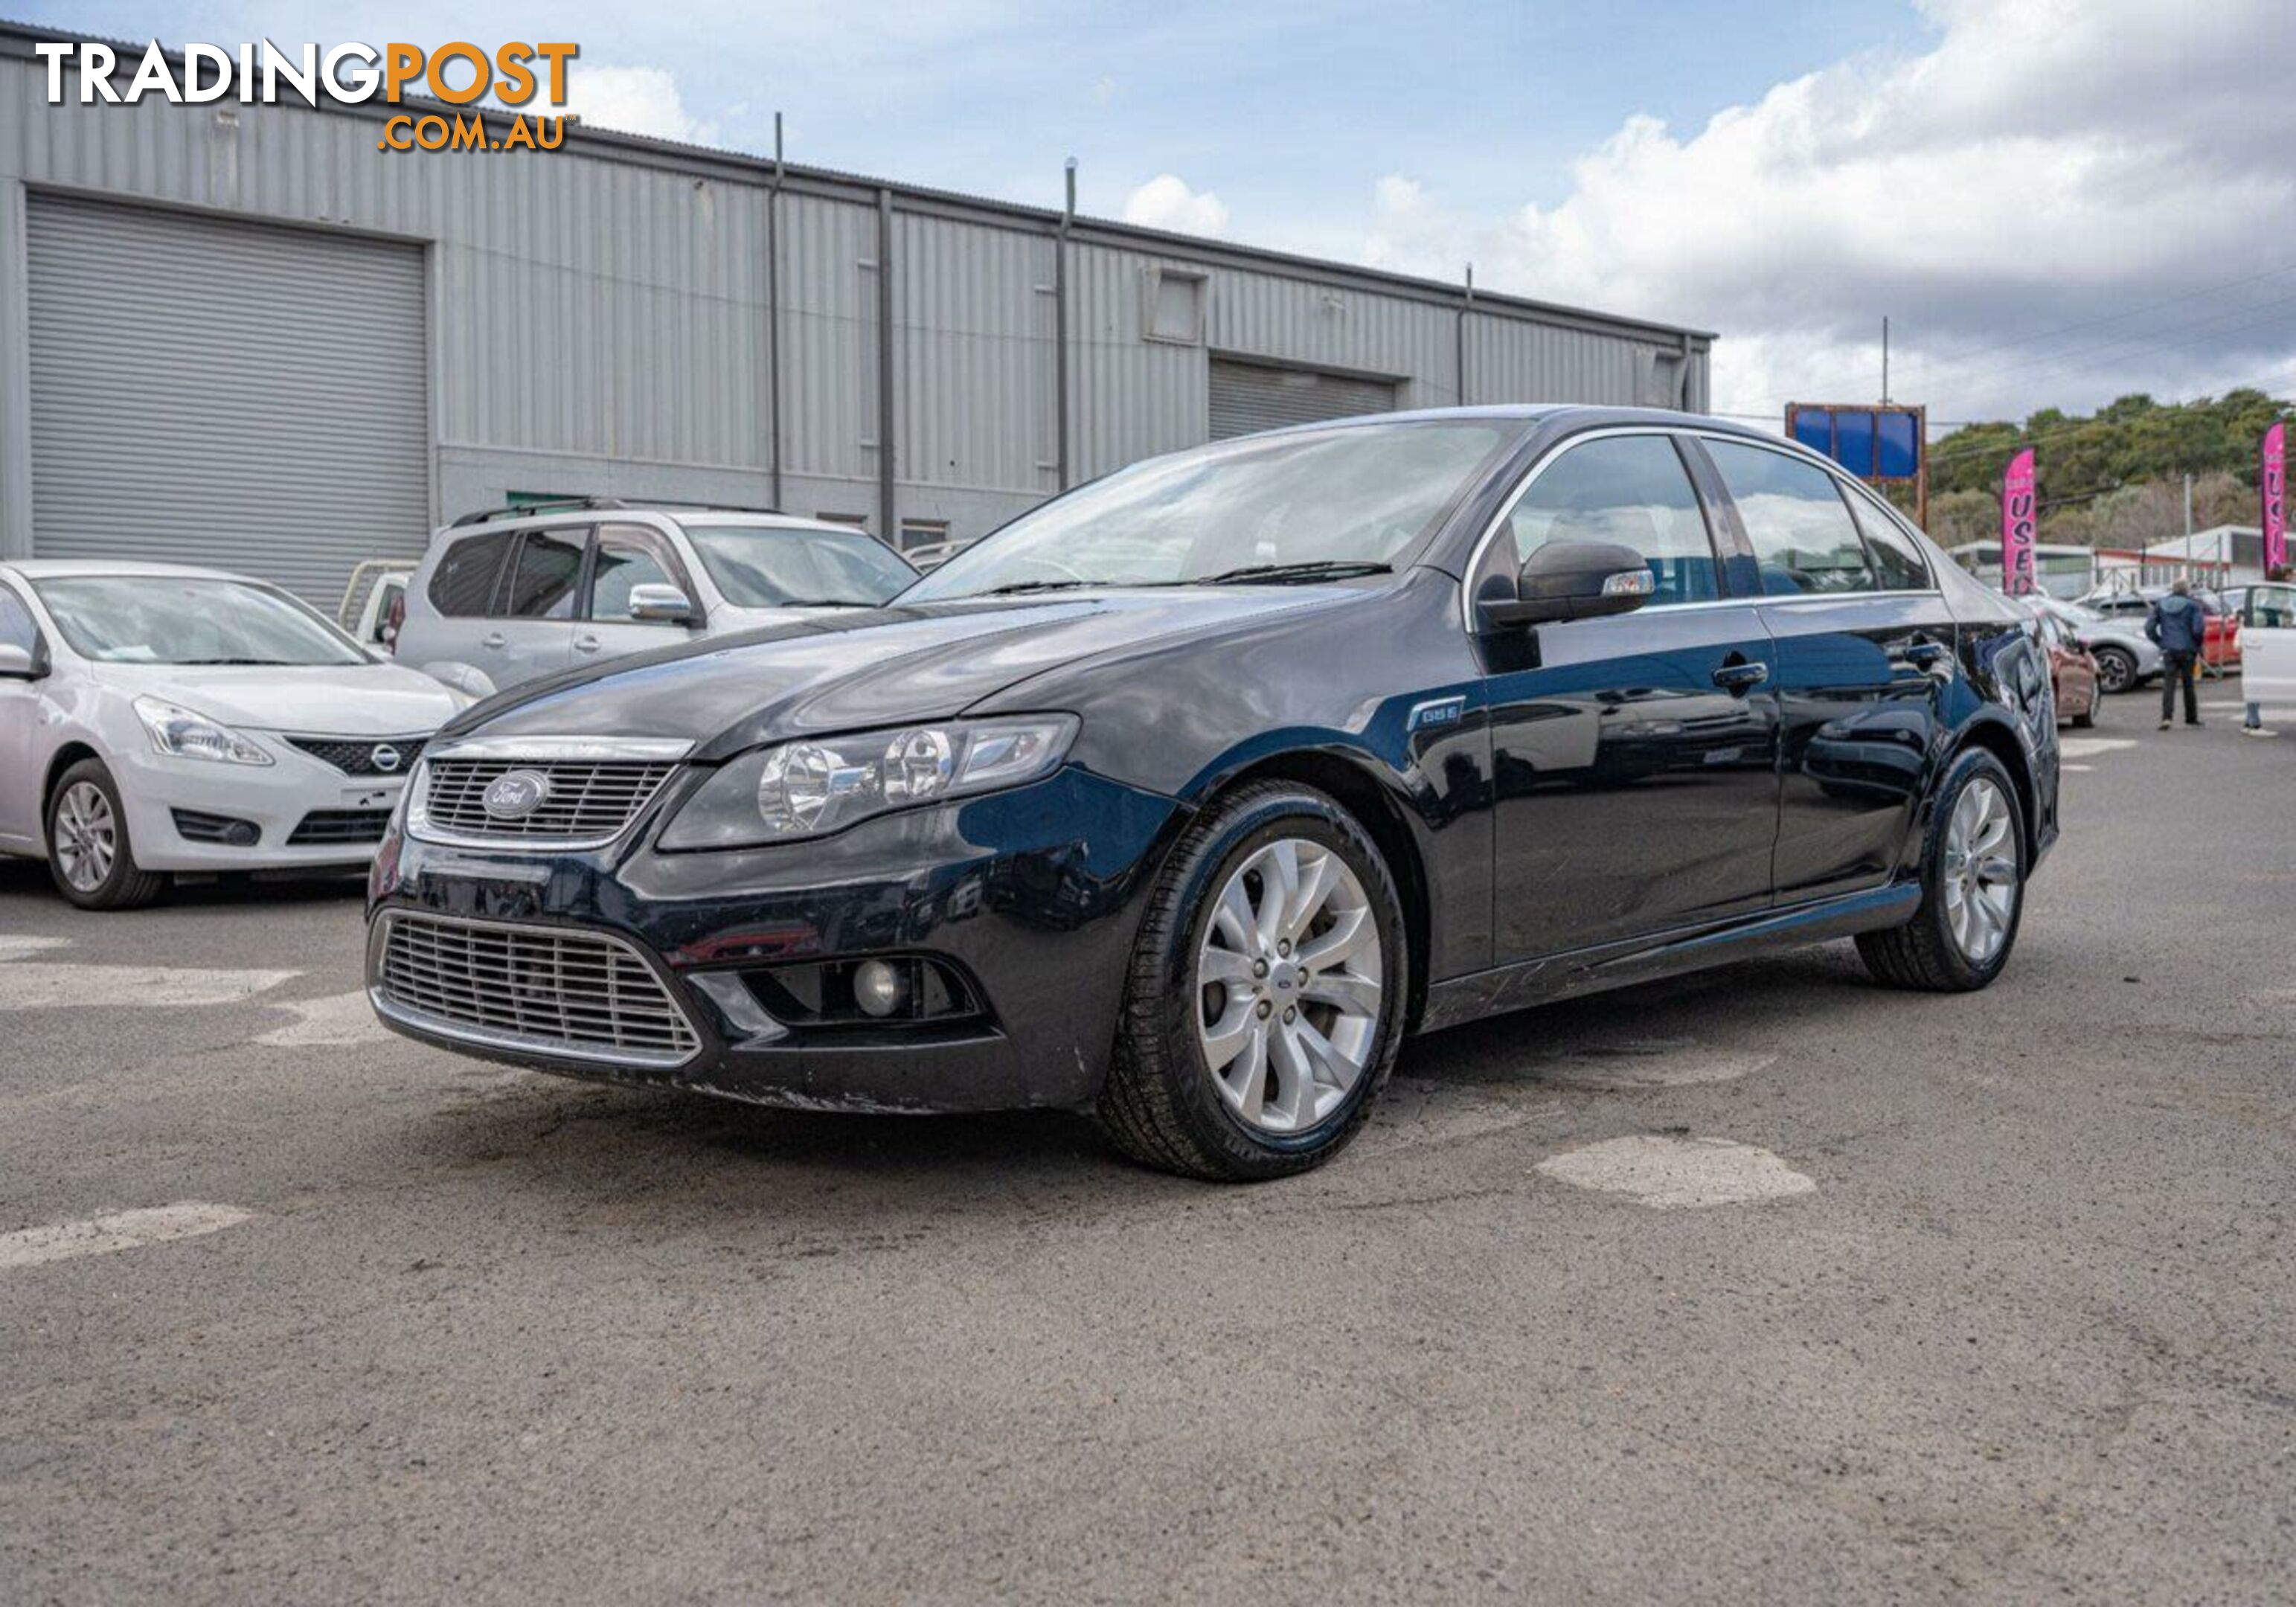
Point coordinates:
pixel 1897 562
pixel 1801 532
pixel 625 558
pixel 1630 489
pixel 549 571
pixel 16 626
pixel 463 585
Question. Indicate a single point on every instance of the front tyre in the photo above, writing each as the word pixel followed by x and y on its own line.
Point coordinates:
pixel 2116 671
pixel 1972 886
pixel 1264 1001
pixel 90 858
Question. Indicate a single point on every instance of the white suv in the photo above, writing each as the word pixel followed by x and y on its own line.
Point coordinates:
pixel 506 597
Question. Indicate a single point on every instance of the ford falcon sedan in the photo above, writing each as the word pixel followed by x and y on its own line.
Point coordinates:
pixel 1183 799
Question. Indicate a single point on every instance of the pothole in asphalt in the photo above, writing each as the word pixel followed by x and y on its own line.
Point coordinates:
pixel 345 1017
pixel 1649 1063
pixel 1668 1173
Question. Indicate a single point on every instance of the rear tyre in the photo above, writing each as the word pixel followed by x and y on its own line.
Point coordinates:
pixel 1264 1001
pixel 90 858
pixel 2086 720
pixel 2116 670
pixel 1972 886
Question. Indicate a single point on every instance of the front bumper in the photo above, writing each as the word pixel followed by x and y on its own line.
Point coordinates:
pixel 1032 896
pixel 277 799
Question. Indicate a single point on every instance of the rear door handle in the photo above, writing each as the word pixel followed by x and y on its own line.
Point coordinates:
pixel 495 640
pixel 586 645
pixel 1741 677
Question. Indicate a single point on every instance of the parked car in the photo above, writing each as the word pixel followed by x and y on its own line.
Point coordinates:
pixel 2072 666
pixel 2220 646
pixel 155 719
pixel 2268 619
pixel 374 601
pixel 2125 657
pixel 1184 797
pixel 503 597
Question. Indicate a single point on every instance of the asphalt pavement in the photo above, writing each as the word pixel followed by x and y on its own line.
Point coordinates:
pixel 1762 1285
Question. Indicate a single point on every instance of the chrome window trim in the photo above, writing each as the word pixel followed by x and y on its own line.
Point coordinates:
pixel 522 1043
pixel 1784 449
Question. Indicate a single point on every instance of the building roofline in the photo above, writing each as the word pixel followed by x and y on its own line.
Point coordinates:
pixel 17 37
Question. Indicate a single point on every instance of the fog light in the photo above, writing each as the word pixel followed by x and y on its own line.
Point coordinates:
pixel 242 833
pixel 877 988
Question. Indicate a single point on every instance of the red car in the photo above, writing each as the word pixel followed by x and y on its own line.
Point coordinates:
pixel 2072 669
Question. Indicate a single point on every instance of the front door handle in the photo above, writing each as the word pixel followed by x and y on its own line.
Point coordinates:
pixel 1738 678
pixel 495 640
pixel 586 645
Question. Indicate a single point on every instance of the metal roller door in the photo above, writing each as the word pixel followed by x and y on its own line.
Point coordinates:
pixel 225 393
pixel 1252 396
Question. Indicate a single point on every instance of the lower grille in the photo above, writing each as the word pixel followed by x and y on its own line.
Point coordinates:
pixel 580 994
pixel 339 825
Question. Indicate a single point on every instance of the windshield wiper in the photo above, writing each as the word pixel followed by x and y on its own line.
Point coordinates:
pixel 1012 586
pixel 1318 569
pixel 825 602
pixel 276 662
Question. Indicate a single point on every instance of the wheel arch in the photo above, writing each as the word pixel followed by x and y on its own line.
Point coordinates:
pixel 1358 789
pixel 70 754
pixel 1999 738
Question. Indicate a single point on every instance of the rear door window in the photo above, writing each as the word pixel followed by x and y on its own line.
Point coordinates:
pixel 1897 562
pixel 1804 540
pixel 462 587
pixel 548 576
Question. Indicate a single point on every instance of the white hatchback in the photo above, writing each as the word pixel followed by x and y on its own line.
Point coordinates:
pixel 157 718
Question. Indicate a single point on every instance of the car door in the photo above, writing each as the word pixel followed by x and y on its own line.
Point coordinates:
pixel 1633 757
pixel 1865 656
pixel 2267 635
pixel 623 557
pixel 21 710
pixel 530 632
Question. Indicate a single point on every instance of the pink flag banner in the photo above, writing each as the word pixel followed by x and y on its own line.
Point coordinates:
pixel 2274 480
pixel 2018 507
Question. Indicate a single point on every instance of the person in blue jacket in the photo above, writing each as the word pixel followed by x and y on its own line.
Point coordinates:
pixel 2177 626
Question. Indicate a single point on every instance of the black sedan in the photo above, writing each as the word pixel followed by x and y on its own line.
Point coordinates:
pixel 1183 798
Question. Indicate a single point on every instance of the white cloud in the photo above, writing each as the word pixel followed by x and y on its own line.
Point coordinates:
pixel 1165 202
pixel 635 100
pixel 2042 163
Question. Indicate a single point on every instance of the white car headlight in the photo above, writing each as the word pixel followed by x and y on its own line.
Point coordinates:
pixel 817 785
pixel 186 733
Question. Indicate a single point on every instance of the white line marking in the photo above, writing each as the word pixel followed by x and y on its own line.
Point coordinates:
pixel 2090 746
pixel 16 948
pixel 2082 769
pixel 1674 1174
pixel 53 985
pixel 344 1018
pixel 123 1230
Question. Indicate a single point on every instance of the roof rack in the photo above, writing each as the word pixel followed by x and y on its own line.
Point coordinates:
pixel 552 506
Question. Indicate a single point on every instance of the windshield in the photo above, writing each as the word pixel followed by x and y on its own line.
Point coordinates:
pixel 772 566
pixel 190 619
pixel 1352 498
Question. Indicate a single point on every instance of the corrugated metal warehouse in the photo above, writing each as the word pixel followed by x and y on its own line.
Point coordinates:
pixel 244 335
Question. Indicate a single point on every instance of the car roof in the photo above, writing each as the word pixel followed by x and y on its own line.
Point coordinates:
pixel 513 519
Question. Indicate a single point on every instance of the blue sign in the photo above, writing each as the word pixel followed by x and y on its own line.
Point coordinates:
pixel 1873 443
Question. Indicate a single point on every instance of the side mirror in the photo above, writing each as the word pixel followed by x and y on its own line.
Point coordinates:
pixel 20 663
pixel 1573 580
pixel 660 604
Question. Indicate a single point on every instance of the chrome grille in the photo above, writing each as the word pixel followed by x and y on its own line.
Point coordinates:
pixel 580 994
pixel 588 800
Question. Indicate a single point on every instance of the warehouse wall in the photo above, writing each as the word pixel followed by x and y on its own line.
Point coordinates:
pixel 602 318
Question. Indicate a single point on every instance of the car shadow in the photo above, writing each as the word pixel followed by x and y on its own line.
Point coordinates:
pixel 29 879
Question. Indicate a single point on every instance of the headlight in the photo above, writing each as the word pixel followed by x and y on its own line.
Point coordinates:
pixel 824 784
pixel 184 734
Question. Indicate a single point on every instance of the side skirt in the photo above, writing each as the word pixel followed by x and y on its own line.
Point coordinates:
pixel 1563 976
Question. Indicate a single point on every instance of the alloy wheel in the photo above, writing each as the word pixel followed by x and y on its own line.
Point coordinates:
pixel 85 836
pixel 1980 871
pixel 1288 980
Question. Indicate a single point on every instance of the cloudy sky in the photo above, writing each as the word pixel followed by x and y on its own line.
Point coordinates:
pixel 2055 201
